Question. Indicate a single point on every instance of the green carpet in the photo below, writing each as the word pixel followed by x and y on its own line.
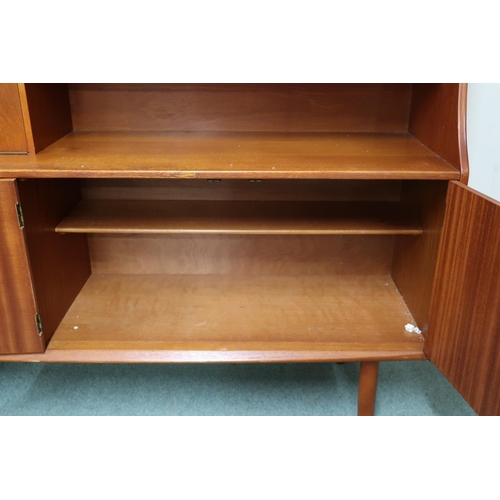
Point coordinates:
pixel 405 388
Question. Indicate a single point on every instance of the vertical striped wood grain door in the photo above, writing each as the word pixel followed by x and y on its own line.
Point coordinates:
pixel 464 330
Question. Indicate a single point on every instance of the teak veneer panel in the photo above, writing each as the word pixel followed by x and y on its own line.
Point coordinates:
pixel 464 331
pixel 60 265
pixel 237 217
pixel 241 189
pixel 47 113
pixel 438 119
pixel 249 254
pixel 12 134
pixel 18 331
pixel 241 107
pixel 414 263
pixel 211 354
pixel 350 315
pixel 233 155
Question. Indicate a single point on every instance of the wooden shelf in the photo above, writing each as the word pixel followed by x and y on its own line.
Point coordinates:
pixel 153 318
pixel 237 217
pixel 260 155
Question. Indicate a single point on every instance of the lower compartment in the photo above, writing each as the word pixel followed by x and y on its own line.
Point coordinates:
pixel 253 288
pixel 195 318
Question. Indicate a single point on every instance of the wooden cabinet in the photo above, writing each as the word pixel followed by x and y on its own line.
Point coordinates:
pixel 250 223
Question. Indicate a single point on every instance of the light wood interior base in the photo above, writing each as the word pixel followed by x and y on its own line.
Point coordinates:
pixel 194 318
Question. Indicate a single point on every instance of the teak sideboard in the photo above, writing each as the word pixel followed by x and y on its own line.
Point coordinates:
pixel 248 223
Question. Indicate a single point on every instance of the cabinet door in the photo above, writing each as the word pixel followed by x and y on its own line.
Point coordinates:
pixel 463 340
pixel 18 327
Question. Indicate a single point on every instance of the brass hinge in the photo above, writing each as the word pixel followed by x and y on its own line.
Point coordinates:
pixel 20 216
pixel 38 321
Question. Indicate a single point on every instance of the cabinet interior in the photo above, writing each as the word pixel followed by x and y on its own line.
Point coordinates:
pixel 257 222
pixel 235 265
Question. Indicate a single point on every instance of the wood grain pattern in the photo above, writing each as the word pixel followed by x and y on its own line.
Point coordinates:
pixel 18 333
pixel 414 264
pixel 241 107
pixel 438 119
pixel 464 331
pixel 278 255
pixel 46 112
pixel 12 134
pixel 233 155
pixel 237 217
pixel 367 391
pixel 60 264
pixel 211 354
pixel 241 189
pixel 251 313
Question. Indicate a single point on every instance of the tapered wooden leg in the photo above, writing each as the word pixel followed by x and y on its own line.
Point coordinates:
pixel 367 390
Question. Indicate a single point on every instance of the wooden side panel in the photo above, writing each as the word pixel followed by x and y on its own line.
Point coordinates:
pixel 438 119
pixel 47 113
pixel 12 135
pixel 60 264
pixel 18 333
pixel 464 331
pixel 241 107
pixel 415 258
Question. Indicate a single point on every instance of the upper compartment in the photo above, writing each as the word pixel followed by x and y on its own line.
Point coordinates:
pixel 252 131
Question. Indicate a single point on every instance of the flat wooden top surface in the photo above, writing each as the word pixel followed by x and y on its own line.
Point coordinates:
pixel 232 155
pixel 237 217
pixel 348 315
